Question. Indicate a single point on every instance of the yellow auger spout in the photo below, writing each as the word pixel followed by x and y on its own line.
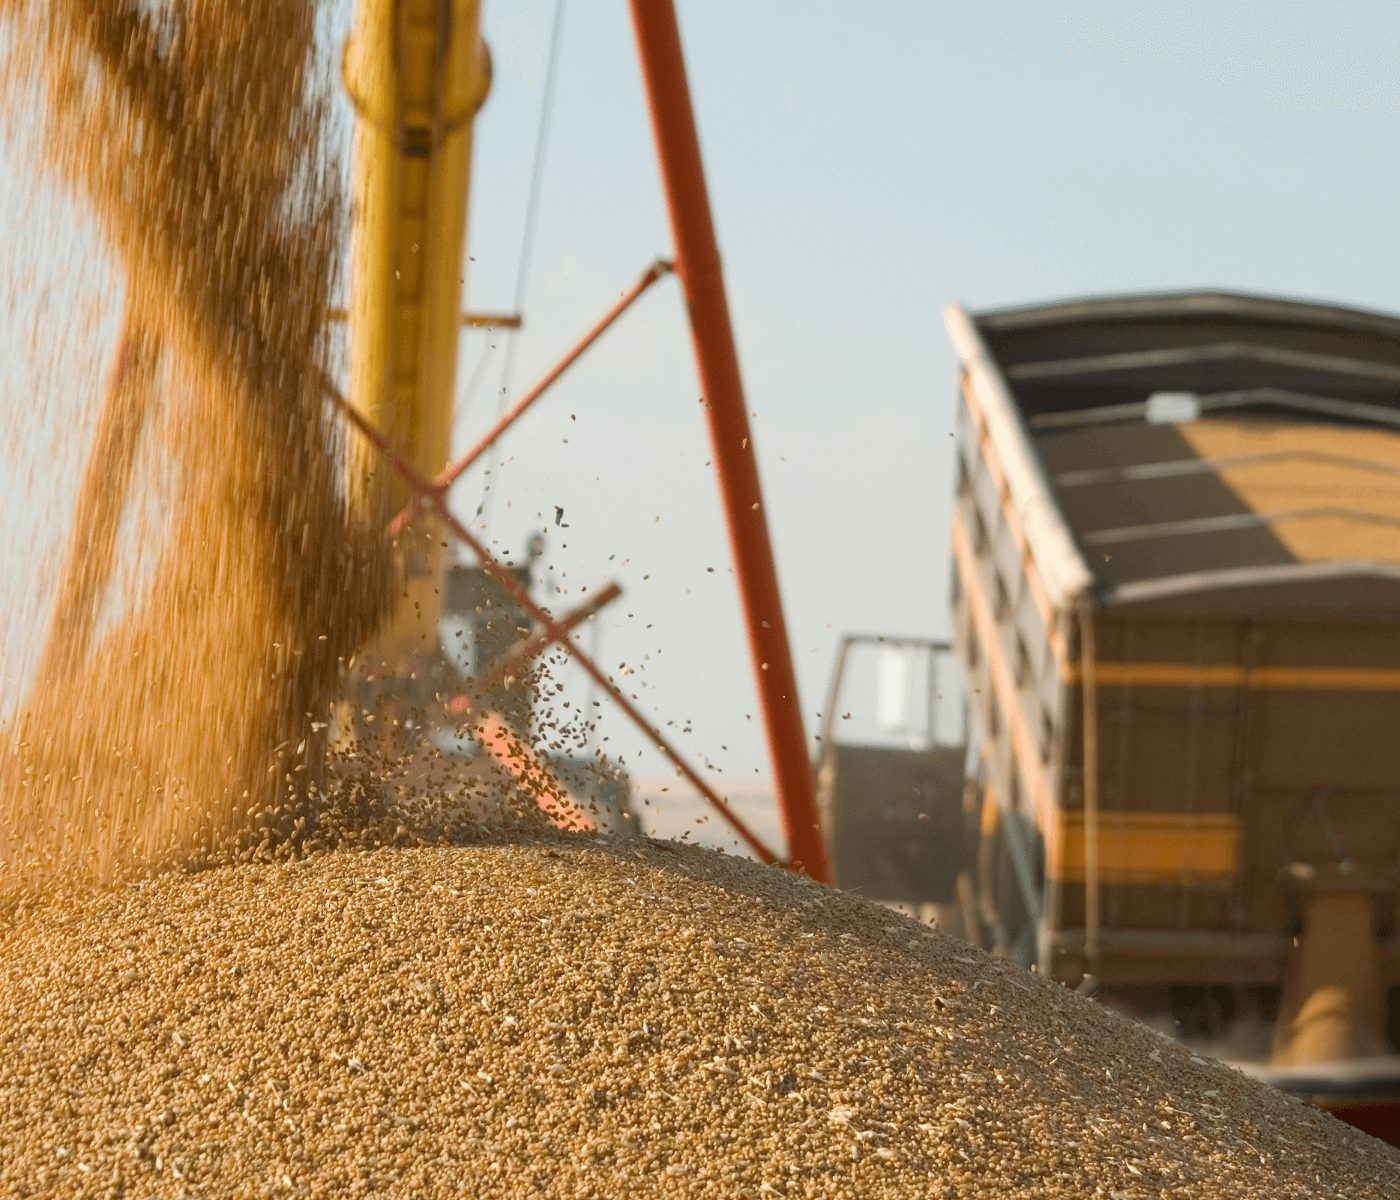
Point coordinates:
pixel 1333 1003
pixel 416 72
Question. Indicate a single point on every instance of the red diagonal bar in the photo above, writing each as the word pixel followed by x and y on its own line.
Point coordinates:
pixel 509 751
pixel 450 474
pixel 513 662
pixel 438 502
pixel 522 654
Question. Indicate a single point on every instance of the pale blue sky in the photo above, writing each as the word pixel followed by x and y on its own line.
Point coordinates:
pixel 869 163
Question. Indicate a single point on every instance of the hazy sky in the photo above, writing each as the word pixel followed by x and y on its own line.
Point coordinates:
pixel 870 163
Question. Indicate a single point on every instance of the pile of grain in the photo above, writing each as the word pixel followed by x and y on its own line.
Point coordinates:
pixel 566 1018
pixel 424 1017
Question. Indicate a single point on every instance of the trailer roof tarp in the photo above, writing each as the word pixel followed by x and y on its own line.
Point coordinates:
pixel 1203 446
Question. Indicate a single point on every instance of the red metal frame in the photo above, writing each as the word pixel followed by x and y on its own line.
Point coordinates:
pixel 532 646
pixel 717 362
pixel 450 474
pixel 496 738
pixel 437 502
pixel 698 266
pixel 517 659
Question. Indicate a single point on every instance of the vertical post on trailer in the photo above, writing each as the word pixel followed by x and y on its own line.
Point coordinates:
pixel 698 268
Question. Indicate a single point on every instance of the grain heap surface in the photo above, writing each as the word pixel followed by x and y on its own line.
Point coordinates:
pixel 568 1018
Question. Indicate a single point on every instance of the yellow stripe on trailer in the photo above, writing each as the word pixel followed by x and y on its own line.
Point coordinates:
pixel 1145 847
pixel 1160 674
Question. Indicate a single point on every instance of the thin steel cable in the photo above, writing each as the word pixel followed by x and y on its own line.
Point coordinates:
pixel 527 243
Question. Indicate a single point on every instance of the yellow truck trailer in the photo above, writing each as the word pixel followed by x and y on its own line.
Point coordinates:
pixel 1176 602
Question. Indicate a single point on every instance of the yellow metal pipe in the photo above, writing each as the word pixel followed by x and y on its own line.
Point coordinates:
pixel 417 72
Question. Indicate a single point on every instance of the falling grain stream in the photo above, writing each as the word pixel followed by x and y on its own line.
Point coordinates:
pixel 194 137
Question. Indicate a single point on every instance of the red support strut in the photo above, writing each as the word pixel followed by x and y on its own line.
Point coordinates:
pixel 698 267
pixel 437 503
pixel 449 475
